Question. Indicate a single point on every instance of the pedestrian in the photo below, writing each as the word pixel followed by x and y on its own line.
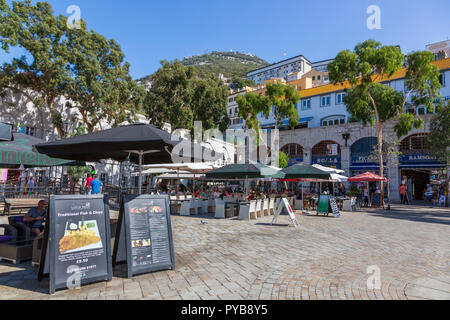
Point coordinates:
pixel 87 184
pixel 402 190
pixel 442 197
pixel 366 196
pixel 96 185
pixel 429 193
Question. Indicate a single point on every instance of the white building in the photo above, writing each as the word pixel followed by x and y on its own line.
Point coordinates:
pixel 282 69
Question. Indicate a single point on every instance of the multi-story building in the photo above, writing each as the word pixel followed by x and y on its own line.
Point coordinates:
pixel 282 69
pixel 233 109
pixel 326 133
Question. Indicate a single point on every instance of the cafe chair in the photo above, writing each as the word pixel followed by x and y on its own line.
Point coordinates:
pixel 185 209
pixel 9 233
pixel 23 230
pixel 271 206
pixel 265 207
pixel 258 208
pixel 220 209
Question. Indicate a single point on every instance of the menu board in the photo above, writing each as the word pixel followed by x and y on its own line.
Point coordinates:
pixel 77 246
pixel 144 235
pixel 334 207
pixel 323 205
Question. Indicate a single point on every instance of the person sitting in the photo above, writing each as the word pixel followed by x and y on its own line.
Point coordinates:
pixel 36 216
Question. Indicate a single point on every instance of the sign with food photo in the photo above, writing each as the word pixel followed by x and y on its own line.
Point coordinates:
pixel 144 234
pixel 79 240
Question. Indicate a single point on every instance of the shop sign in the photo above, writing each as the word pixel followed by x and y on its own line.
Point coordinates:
pixel 332 161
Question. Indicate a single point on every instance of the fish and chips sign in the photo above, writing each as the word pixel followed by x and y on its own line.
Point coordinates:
pixel 76 249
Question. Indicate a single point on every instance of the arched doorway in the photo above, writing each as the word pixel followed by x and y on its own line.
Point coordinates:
pixel 363 156
pixel 294 152
pixel 327 153
pixel 417 165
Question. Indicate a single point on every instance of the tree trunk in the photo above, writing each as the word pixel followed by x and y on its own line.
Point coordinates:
pixel 380 156
pixel 57 124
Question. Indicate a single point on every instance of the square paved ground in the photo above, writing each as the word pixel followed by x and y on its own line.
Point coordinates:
pixel 324 258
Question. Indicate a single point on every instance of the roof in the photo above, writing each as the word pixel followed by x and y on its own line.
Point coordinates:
pixel 441 64
pixel 271 65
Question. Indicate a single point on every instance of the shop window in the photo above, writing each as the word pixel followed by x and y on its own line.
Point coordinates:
pixel 293 150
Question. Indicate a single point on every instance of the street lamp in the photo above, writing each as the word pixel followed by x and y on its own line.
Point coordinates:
pixel 346 136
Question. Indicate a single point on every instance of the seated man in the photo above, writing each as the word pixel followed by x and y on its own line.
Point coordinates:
pixel 36 217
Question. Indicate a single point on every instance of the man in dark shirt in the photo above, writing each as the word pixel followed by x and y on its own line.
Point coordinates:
pixel 36 217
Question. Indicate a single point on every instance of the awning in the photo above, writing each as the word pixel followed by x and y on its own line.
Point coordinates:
pixel 286 122
pixel 367 168
pixel 422 166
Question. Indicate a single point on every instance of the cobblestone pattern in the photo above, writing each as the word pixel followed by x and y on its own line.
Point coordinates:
pixel 324 258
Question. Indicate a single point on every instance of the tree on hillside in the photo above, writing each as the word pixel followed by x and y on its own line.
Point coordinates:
pixel 372 102
pixel 239 83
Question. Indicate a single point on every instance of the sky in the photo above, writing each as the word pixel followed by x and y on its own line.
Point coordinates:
pixel 150 31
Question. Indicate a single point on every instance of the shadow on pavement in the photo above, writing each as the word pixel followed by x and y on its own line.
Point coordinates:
pixel 414 213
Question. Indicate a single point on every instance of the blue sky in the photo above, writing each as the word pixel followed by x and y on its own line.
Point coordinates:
pixel 149 31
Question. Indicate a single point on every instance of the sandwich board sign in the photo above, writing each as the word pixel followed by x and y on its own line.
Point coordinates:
pixel 76 248
pixel 334 207
pixel 284 203
pixel 323 205
pixel 144 235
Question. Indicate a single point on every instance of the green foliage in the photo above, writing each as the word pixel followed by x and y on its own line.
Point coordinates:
pixel 283 99
pixel 180 96
pixel 230 64
pixel 439 137
pixel 388 103
pixel 79 64
pixel 250 105
pixel 422 79
pixel 239 83
pixel 283 160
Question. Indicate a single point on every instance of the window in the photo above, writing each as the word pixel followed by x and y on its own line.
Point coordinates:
pixel 236 110
pixel 306 104
pixel 314 78
pixel 442 79
pixel 318 77
pixel 421 111
pixel 231 111
pixel 325 101
pixel 333 121
pixel 340 98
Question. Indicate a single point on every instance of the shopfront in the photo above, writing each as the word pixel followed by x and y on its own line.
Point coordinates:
pixel 419 167
pixel 327 154
pixel 363 158
pixel 294 152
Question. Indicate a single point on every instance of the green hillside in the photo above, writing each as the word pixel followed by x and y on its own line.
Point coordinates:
pixel 230 64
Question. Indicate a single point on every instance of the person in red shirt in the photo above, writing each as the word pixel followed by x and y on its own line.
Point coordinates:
pixel 197 193
pixel 87 185
pixel 402 190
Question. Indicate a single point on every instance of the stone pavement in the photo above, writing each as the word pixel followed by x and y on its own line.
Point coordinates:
pixel 324 258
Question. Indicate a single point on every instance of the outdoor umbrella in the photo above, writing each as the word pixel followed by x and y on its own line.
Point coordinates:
pixel 17 153
pixel 367 177
pixel 305 171
pixel 245 171
pixel 5 132
pixel 139 143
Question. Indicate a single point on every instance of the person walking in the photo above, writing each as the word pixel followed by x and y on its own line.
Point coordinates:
pixel 402 190
pixel 442 196
pixel 96 185
pixel 87 184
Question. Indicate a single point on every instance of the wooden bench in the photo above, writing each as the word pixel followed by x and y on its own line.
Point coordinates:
pixel 19 206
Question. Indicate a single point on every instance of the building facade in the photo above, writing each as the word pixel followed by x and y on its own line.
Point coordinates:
pixel 327 134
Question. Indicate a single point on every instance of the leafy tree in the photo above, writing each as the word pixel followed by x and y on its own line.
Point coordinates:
pixel 76 173
pixel 370 101
pixel 283 160
pixel 180 96
pixel 439 137
pixel 239 83
pixel 35 29
pixel 59 61
pixel 282 99
pixel 100 84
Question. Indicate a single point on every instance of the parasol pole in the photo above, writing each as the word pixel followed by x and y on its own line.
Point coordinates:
pixel 140 173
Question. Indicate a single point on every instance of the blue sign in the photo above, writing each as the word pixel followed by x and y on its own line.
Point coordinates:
pixel 365 160
pixel 328 161
pixel 422 160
